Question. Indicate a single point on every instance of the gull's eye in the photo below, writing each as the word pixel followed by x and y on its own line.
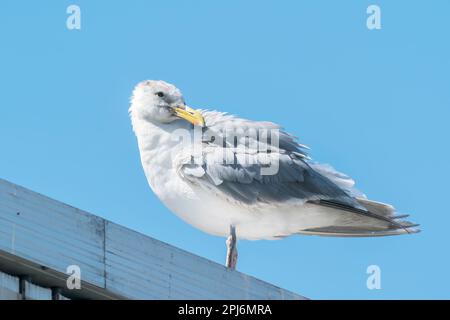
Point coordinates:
pixel 160 94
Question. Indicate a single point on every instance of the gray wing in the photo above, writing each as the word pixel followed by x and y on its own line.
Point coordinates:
pixel 240 168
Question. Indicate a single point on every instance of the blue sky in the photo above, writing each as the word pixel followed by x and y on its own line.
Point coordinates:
pixel 373 103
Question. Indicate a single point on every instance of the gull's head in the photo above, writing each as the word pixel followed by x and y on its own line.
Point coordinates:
pixel 161 102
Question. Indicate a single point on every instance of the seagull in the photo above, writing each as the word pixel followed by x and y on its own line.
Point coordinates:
pixel 238 178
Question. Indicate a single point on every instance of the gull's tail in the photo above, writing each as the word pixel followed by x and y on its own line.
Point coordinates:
pixel 378 219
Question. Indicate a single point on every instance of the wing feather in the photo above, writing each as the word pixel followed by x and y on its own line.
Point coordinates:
pixel 236 168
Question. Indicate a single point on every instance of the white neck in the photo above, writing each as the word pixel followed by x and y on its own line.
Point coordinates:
pixel 158 147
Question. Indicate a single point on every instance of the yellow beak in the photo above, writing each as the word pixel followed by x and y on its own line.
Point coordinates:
pixel 191 115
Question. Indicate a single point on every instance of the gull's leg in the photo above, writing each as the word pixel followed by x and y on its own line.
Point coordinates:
pixel 232 254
